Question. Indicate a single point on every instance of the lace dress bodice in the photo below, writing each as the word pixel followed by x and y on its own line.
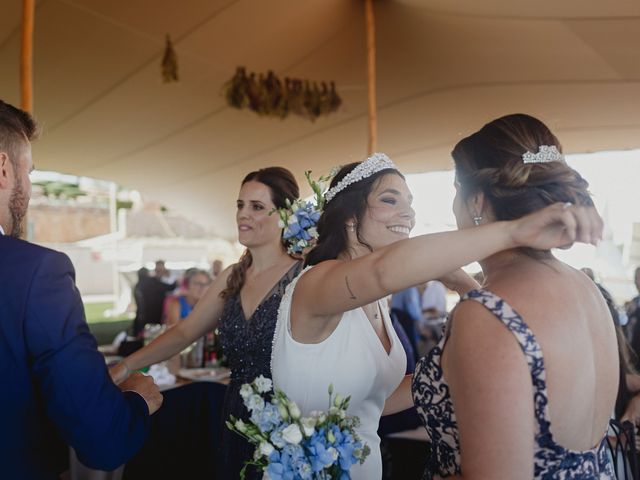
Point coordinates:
pixel 435 408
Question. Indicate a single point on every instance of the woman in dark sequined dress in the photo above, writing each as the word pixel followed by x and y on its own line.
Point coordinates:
pixel 242 303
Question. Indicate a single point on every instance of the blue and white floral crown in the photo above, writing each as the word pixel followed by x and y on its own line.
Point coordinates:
pixel 299 218
pixel 374 164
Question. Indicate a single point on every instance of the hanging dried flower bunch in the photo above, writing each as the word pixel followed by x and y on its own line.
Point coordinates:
pixel 268 95
pixel 169 64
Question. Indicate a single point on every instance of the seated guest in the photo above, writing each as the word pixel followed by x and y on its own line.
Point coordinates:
pixel 56 390
pixel 195 284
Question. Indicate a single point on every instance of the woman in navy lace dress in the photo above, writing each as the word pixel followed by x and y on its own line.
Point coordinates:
pixel 242 303
pixel 524 381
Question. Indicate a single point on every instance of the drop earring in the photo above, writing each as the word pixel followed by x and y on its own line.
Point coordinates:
pixel 477 219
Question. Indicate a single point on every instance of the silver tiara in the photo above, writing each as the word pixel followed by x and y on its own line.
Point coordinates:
pixel 374 164
pixel 546 154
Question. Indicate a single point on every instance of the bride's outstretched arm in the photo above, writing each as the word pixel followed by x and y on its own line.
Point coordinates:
pixel 202 319
pixel 335 286
pixel 400 399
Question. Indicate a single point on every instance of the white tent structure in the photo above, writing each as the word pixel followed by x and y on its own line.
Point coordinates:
pixel 443 69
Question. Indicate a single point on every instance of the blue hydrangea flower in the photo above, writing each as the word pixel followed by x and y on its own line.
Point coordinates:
pixel 276 436
pixel 266 418
pixel 280 467
pixel 321 453
pixel 345 444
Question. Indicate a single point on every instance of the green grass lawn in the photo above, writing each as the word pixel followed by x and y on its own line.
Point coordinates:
pixel 105 328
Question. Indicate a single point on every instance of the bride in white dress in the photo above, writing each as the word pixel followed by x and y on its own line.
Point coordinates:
pixel 333 329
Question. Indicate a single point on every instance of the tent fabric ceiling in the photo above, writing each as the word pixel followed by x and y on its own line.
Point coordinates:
pixel 444 69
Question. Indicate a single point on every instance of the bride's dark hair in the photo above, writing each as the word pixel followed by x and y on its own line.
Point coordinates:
pixel 350 203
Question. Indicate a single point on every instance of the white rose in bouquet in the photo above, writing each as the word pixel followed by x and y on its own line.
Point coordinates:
pixel 266 448
pixel 262 384
pixel 292 434
pixel 308 426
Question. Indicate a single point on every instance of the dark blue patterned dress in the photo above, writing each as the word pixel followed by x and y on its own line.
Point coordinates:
pixel 247 346
pixel 432 399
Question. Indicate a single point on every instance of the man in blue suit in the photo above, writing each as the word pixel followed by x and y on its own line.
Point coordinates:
pixel 55 389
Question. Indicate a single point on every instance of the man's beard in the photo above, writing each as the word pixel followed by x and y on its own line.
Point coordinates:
pixel 18 204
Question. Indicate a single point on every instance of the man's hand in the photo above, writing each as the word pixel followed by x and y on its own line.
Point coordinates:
pixel 144 386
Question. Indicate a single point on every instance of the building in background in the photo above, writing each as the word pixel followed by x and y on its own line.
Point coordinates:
pixel 109 233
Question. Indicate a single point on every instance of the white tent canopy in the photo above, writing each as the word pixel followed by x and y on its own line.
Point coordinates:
pixel 444 69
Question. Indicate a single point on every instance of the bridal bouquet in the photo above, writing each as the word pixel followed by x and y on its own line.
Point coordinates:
pixel 299 218
pixel 323 445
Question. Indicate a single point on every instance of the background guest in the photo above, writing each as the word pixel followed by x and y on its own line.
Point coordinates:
pixel 149 294
pixel 161 273
pixel 633 314
pixel 216 268
pixel 194 285
pixel 405 309
pixel 434 314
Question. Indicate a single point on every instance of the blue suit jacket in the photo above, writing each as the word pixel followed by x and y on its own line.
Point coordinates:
pixel 55 389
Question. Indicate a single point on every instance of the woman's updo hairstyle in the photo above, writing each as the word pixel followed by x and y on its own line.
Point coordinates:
pixel 491 161
pixel 283 186
pixel 350 203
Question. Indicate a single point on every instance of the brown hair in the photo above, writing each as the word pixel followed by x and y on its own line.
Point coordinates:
pixel 283 186
pixel 490 161
pixel 16 128
pixel 349 203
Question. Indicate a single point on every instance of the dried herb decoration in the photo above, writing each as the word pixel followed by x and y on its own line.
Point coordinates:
pixel 267 95
pixel 169 63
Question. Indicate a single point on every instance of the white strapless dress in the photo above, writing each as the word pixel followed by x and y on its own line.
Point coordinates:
pixel 353 359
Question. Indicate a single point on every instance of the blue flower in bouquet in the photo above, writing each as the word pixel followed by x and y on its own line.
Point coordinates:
pixel 346 445
pixel 321 453
pixel 299 461
pixel 276 436
pixel 303 469
pixel 280 467
pixel 290 446
pixel 266 418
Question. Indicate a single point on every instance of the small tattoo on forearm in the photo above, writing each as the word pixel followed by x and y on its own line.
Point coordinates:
pixel 346 280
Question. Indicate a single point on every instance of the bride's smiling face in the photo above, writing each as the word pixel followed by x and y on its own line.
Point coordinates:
pixel 389 216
